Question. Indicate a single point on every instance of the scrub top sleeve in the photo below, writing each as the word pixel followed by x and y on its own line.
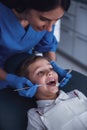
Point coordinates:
pixel 48 43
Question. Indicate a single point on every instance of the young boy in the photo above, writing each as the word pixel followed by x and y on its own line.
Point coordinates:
pixel 56 110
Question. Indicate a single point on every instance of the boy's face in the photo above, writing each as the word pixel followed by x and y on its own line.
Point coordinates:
pixel 41 72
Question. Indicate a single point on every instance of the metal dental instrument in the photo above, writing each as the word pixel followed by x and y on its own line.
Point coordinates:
pixel 40 85
pixel 58 84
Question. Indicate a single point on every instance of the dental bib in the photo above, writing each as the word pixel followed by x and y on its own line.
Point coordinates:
pixel 67 115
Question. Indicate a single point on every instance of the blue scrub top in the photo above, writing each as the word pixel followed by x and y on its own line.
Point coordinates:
pixel 15 39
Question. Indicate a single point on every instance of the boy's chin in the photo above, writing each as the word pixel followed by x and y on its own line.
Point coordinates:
pixel 54 89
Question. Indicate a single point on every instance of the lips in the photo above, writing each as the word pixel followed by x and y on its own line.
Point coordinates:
pixel 51 82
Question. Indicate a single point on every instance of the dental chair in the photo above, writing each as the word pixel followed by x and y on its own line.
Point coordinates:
pixel 78 81
pixel 13 107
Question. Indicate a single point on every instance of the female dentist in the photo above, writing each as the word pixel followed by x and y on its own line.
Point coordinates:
pixel 27 26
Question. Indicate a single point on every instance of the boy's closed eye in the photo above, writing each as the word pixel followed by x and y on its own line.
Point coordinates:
pixel 41 73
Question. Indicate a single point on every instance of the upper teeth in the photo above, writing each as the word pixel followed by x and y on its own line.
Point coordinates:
pixel 51 80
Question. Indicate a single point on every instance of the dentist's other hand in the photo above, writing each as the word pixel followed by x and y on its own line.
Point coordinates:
pixel 62 73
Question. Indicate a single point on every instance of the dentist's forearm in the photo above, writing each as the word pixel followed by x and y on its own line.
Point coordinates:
pixel 50 55
pixel 2 74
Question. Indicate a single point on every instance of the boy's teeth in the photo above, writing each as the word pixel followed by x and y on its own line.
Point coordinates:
pixel 51 80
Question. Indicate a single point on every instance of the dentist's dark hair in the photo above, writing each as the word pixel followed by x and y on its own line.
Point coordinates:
pixel 39 5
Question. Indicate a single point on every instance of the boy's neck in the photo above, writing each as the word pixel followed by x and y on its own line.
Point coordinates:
pixel 52 97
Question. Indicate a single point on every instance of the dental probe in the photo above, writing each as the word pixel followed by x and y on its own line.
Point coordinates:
pixel 68 72
pixel 19 89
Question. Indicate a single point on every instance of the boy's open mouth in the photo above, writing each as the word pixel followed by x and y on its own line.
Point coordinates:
pixel 51 83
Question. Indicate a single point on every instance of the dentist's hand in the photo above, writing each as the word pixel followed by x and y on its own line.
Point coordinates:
pixel 21 82
pixel 62 73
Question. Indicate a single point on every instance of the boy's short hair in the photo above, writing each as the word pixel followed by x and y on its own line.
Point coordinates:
pixel 18 63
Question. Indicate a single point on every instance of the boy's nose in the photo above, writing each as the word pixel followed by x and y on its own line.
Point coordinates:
pixel 50 73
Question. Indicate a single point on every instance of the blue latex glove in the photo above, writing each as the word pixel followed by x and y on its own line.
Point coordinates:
pixel 63 73
pixel 21 82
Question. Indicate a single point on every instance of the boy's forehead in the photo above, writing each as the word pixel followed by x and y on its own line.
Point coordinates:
pixel 39 64
pixel 42 64
pixel 45 66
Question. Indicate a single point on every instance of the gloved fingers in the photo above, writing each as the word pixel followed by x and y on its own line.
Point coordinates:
pixel 29 83
pixel 21 82
pixel 62 84
pixel 24 82
pixel 66 80
pixel 64 75
pixel 58 69
pixel 54 65
pixel 22 93
pixel 31 92
pixel 68 75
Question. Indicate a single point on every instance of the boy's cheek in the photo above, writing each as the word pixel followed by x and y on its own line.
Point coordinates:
pixel 41 82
